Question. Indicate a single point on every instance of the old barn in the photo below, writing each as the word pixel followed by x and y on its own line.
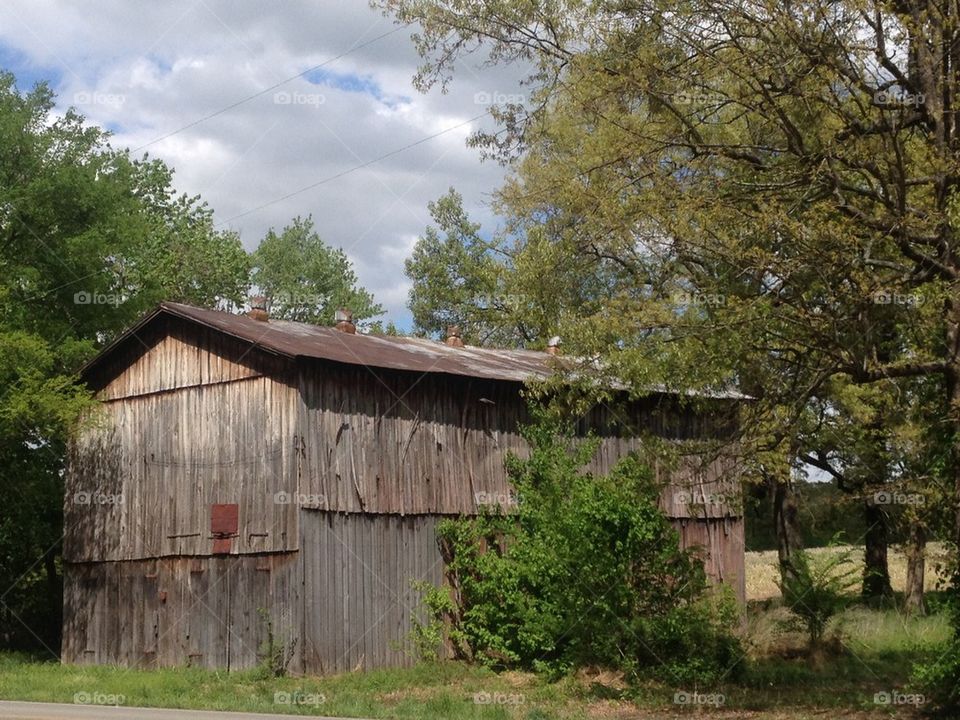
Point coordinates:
pixel 255 483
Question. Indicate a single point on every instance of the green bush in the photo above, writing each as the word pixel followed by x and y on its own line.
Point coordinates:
pixel 584 571
pixel 939 680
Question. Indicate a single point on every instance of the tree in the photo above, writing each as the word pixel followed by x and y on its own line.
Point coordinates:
pixel 459 278
pixel 514 289
pixel 304 279
pixel 182 257
pixel 789 173
pixel 90 239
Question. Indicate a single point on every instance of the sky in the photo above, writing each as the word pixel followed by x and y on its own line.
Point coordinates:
pixel 146 70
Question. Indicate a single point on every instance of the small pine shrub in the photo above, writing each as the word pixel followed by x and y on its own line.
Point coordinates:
pixel 817 590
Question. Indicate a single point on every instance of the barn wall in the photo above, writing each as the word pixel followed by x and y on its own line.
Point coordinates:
pixel 358 598
pixel 352 464
pixel 389 442
pixel 720 543
pixel 179 611
pixel 172 354
pixel 143 478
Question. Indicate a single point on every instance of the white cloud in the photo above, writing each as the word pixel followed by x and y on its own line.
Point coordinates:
pixel 147 69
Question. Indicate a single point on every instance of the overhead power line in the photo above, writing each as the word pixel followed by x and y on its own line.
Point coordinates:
pixel 247 99
pixel 353 169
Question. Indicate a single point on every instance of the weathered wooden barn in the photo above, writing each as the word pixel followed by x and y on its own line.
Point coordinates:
pixel 254 484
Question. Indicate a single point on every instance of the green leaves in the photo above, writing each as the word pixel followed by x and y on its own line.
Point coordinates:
pixel 585 571
pixel 514 288
pixel 89 240
pixel 305 280
pixel 817 589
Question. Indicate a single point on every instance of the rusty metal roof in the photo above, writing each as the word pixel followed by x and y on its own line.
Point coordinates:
pixel 295 339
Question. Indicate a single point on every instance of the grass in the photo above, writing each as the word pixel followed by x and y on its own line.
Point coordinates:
pixel 762 572
pixel 873 653
pixel 440 690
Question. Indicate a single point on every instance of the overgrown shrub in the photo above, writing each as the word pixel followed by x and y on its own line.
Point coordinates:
pixel 584 571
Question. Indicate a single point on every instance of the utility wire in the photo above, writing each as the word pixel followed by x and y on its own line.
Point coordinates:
pixel 353 169
pixel 247 99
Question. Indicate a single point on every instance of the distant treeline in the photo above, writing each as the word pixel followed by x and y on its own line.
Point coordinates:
pixel 825 513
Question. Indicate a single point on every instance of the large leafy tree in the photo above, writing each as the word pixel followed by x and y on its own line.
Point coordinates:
pixel 512 288
pixel 306 280
pixel 780 178
pixel 90 238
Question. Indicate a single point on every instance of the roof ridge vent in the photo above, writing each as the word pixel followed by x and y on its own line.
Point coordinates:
pixel 344 321
pixel 454 336
pixel 258 309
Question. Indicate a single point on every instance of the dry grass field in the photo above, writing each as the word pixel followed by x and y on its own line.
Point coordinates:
pixel 762 573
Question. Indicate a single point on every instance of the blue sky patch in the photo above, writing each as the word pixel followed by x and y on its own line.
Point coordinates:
pixel 351 82
pixel 26 71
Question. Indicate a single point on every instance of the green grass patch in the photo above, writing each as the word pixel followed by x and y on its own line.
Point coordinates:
pixel 874 654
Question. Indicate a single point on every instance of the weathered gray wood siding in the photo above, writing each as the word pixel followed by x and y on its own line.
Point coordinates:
pixel 143 476
pixel 358 571
pixel 189 420
pixel 720 542
pixel 180 611
pixel 407 443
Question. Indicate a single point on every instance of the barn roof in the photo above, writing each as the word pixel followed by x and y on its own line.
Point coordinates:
pixel 295 339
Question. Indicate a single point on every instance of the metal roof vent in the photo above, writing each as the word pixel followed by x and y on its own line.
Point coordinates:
pixel 258 308
pixel 344 321
pixel 454 337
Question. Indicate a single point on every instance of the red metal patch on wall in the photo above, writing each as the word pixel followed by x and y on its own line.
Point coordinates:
pixel 224 524
pixel 222 546
pixel 224 519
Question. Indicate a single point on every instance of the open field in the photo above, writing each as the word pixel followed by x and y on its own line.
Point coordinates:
pixel 762 573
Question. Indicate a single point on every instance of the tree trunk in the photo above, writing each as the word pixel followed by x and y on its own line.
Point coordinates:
pixel 876 574
pixel 786 521
pixel 916 564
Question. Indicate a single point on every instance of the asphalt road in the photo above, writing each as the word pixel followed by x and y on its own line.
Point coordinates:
pixel 56 711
